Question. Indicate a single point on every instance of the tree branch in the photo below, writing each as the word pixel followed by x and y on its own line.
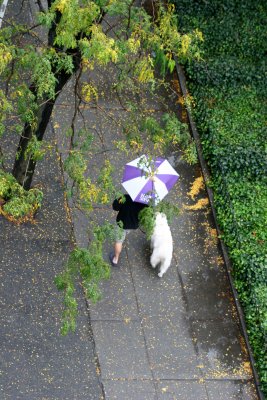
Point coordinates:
pixel 76 107
pixel 2 159
pixel 129 18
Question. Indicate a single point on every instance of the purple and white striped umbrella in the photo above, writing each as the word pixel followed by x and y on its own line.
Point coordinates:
pixel 148 180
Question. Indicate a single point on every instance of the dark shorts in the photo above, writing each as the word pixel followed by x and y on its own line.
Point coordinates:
pixel 120 233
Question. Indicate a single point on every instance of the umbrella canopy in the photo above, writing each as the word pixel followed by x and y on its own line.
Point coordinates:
pixel 148 180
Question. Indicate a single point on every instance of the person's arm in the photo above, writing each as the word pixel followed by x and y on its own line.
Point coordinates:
pixel 117 203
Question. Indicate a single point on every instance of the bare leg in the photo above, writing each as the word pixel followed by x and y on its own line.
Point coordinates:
pixel 117 252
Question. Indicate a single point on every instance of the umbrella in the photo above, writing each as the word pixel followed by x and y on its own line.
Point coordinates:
pixel 146 179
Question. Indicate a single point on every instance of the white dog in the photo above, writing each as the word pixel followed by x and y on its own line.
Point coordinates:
pixel 161 244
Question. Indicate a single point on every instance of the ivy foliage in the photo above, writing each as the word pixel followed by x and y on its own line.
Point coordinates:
pixel 229 87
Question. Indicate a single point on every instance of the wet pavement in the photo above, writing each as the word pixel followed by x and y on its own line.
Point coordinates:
pixel 36 361
pixel 172 338
pixel 148 338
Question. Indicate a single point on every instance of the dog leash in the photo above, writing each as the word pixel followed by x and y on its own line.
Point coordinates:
pixel 142 231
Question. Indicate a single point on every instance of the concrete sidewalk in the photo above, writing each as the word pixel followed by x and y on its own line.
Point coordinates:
pixel 148 338
pixel 37 363
pixel 172 338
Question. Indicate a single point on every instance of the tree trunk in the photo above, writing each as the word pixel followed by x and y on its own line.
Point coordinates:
pixel 24 166
pixel 152 7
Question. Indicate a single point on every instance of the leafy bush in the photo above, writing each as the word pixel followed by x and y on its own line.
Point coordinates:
pixel 18 203
pixel 229 87
pixel 7 185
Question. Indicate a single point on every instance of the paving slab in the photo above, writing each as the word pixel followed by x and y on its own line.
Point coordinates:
pixel 221 349
pixel 201 269
pixel 162 297
pixel 121 350
pixel 182 389
pixel 231 390
pixel 121 306
pixel 130 390
pixel 172 355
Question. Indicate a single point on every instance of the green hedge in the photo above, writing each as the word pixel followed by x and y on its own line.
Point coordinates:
pixel 229 86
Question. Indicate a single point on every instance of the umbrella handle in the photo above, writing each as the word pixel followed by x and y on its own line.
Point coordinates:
pixel 153 189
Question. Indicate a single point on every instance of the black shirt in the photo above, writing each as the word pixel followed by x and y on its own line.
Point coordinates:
pixel 128 211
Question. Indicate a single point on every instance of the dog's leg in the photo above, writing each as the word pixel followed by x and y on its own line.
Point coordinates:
pixel 163 267
pixel 153 260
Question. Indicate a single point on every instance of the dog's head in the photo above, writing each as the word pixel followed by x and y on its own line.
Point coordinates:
pixel 161 219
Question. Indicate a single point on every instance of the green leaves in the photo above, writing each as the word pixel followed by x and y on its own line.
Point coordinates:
pixel 147 216
pixel 35 149
pixel 75 18
pixel 7 185
pixel 229 86
pixel 18 204
pixel 5 57
pixel 88 192
pixel 75 166
pixel 87 267
pixel 5 110
pixel 99 48
pixel 170 131
pixel 117 7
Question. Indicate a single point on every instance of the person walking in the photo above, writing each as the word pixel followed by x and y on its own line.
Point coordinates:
pixel 126 220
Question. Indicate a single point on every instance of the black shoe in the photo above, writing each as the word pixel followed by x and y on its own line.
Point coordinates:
pixel 111 256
